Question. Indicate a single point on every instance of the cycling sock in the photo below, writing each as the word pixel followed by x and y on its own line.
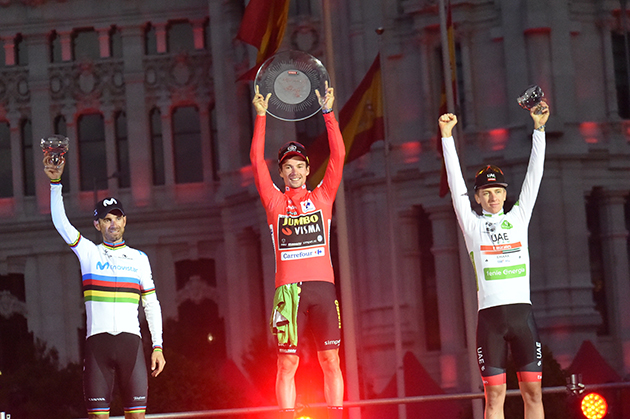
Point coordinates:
pixel 335 412
pixel 287 414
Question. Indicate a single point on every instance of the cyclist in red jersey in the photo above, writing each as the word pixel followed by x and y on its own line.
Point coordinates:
pixel 299 221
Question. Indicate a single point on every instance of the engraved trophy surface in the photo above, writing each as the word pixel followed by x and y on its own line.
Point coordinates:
pixel 55 147
pixel 531 99
pixel 292 78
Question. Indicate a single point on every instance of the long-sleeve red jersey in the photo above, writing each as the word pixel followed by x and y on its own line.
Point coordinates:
pixel 299 220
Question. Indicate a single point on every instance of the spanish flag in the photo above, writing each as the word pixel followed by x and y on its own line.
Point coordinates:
pixel 360 121
pixel 448 78
pixel 263 26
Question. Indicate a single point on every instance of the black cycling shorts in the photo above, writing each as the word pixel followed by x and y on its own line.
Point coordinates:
pixel 318 315
pixel 109 357
pixel 508 326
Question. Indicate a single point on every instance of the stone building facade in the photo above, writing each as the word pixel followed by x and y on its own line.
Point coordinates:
pixel 147 94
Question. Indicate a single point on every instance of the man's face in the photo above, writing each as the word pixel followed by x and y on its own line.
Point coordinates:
pixel 491 199
pixel 294 172
pixel 112 227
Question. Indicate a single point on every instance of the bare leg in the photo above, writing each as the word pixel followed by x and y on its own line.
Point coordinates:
pixel 532 399
pixel 134 415
pixel 495 398
pixel 333 379
pixel 285 380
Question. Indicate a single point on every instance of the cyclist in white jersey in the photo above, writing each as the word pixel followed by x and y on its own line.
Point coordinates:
pixel 115 279
pixel 498 247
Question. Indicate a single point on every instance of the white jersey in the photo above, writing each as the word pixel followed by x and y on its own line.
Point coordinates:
pixel 115 278
pixel 497 243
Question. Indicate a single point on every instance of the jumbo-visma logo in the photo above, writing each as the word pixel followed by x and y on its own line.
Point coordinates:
pixel 107 266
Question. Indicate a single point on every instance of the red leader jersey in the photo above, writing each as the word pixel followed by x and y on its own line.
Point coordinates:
pixel 299 220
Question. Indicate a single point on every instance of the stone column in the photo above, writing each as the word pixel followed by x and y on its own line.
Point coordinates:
pixel 449 291
pixel 233 116
pixel 206 142
pixel 103 42
pixel 197 25
pixel 167 144
pixel 72 162
pixel 160 35
pixel 66 45
pixel 615 252
pixel 14 118
pixel 9 50
pixel 138 133
pixel 111 155
pixel 39 86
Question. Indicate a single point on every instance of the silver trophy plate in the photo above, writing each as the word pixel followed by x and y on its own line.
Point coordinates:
pixel 55 147
pixel 531 99
pixel 292 78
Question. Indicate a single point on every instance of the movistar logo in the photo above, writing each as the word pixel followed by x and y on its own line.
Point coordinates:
pixel 106 265
pixel 108 202
pixel 506 225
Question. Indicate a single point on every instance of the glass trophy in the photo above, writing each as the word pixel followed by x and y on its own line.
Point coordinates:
pixel 292 78
pixel 55 147
pixel 531 98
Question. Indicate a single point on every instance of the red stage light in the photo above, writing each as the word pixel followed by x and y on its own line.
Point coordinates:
pixel 594 406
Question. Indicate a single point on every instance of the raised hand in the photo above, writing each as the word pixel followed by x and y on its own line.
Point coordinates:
pixel 53 171
pixel 260 103
pixel 540 119
pixel 329 98
pixel 446 123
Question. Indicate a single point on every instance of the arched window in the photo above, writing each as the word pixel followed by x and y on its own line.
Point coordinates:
pixel 187 145
pixel 6 172
pixel 115 42
pixel 26 136
pixel 92 155
pixel 620 61
pixel 55 48
pixel 157 147
pixel 21 54
pixel 195 281
pixel 122 151
pixel 60 125
pixel 2 56
pixel 150 40
pixel 180 37
pixel 85 45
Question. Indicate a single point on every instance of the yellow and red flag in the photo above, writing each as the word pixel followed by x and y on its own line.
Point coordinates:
pixel 263 26
pixel 448 78
pixel 360 121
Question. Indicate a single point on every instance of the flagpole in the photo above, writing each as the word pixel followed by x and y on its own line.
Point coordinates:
pixel 470 301
pixel 398 348
pixel 345 276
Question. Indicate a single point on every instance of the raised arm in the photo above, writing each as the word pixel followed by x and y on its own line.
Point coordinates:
pixel 535 167
pixel 456 183
pixel 57 210
pixel 262 178
pixel 334 170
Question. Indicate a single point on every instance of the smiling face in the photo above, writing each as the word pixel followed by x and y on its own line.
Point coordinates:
pixel 294 172
pixel 112 227
pixel 491 199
